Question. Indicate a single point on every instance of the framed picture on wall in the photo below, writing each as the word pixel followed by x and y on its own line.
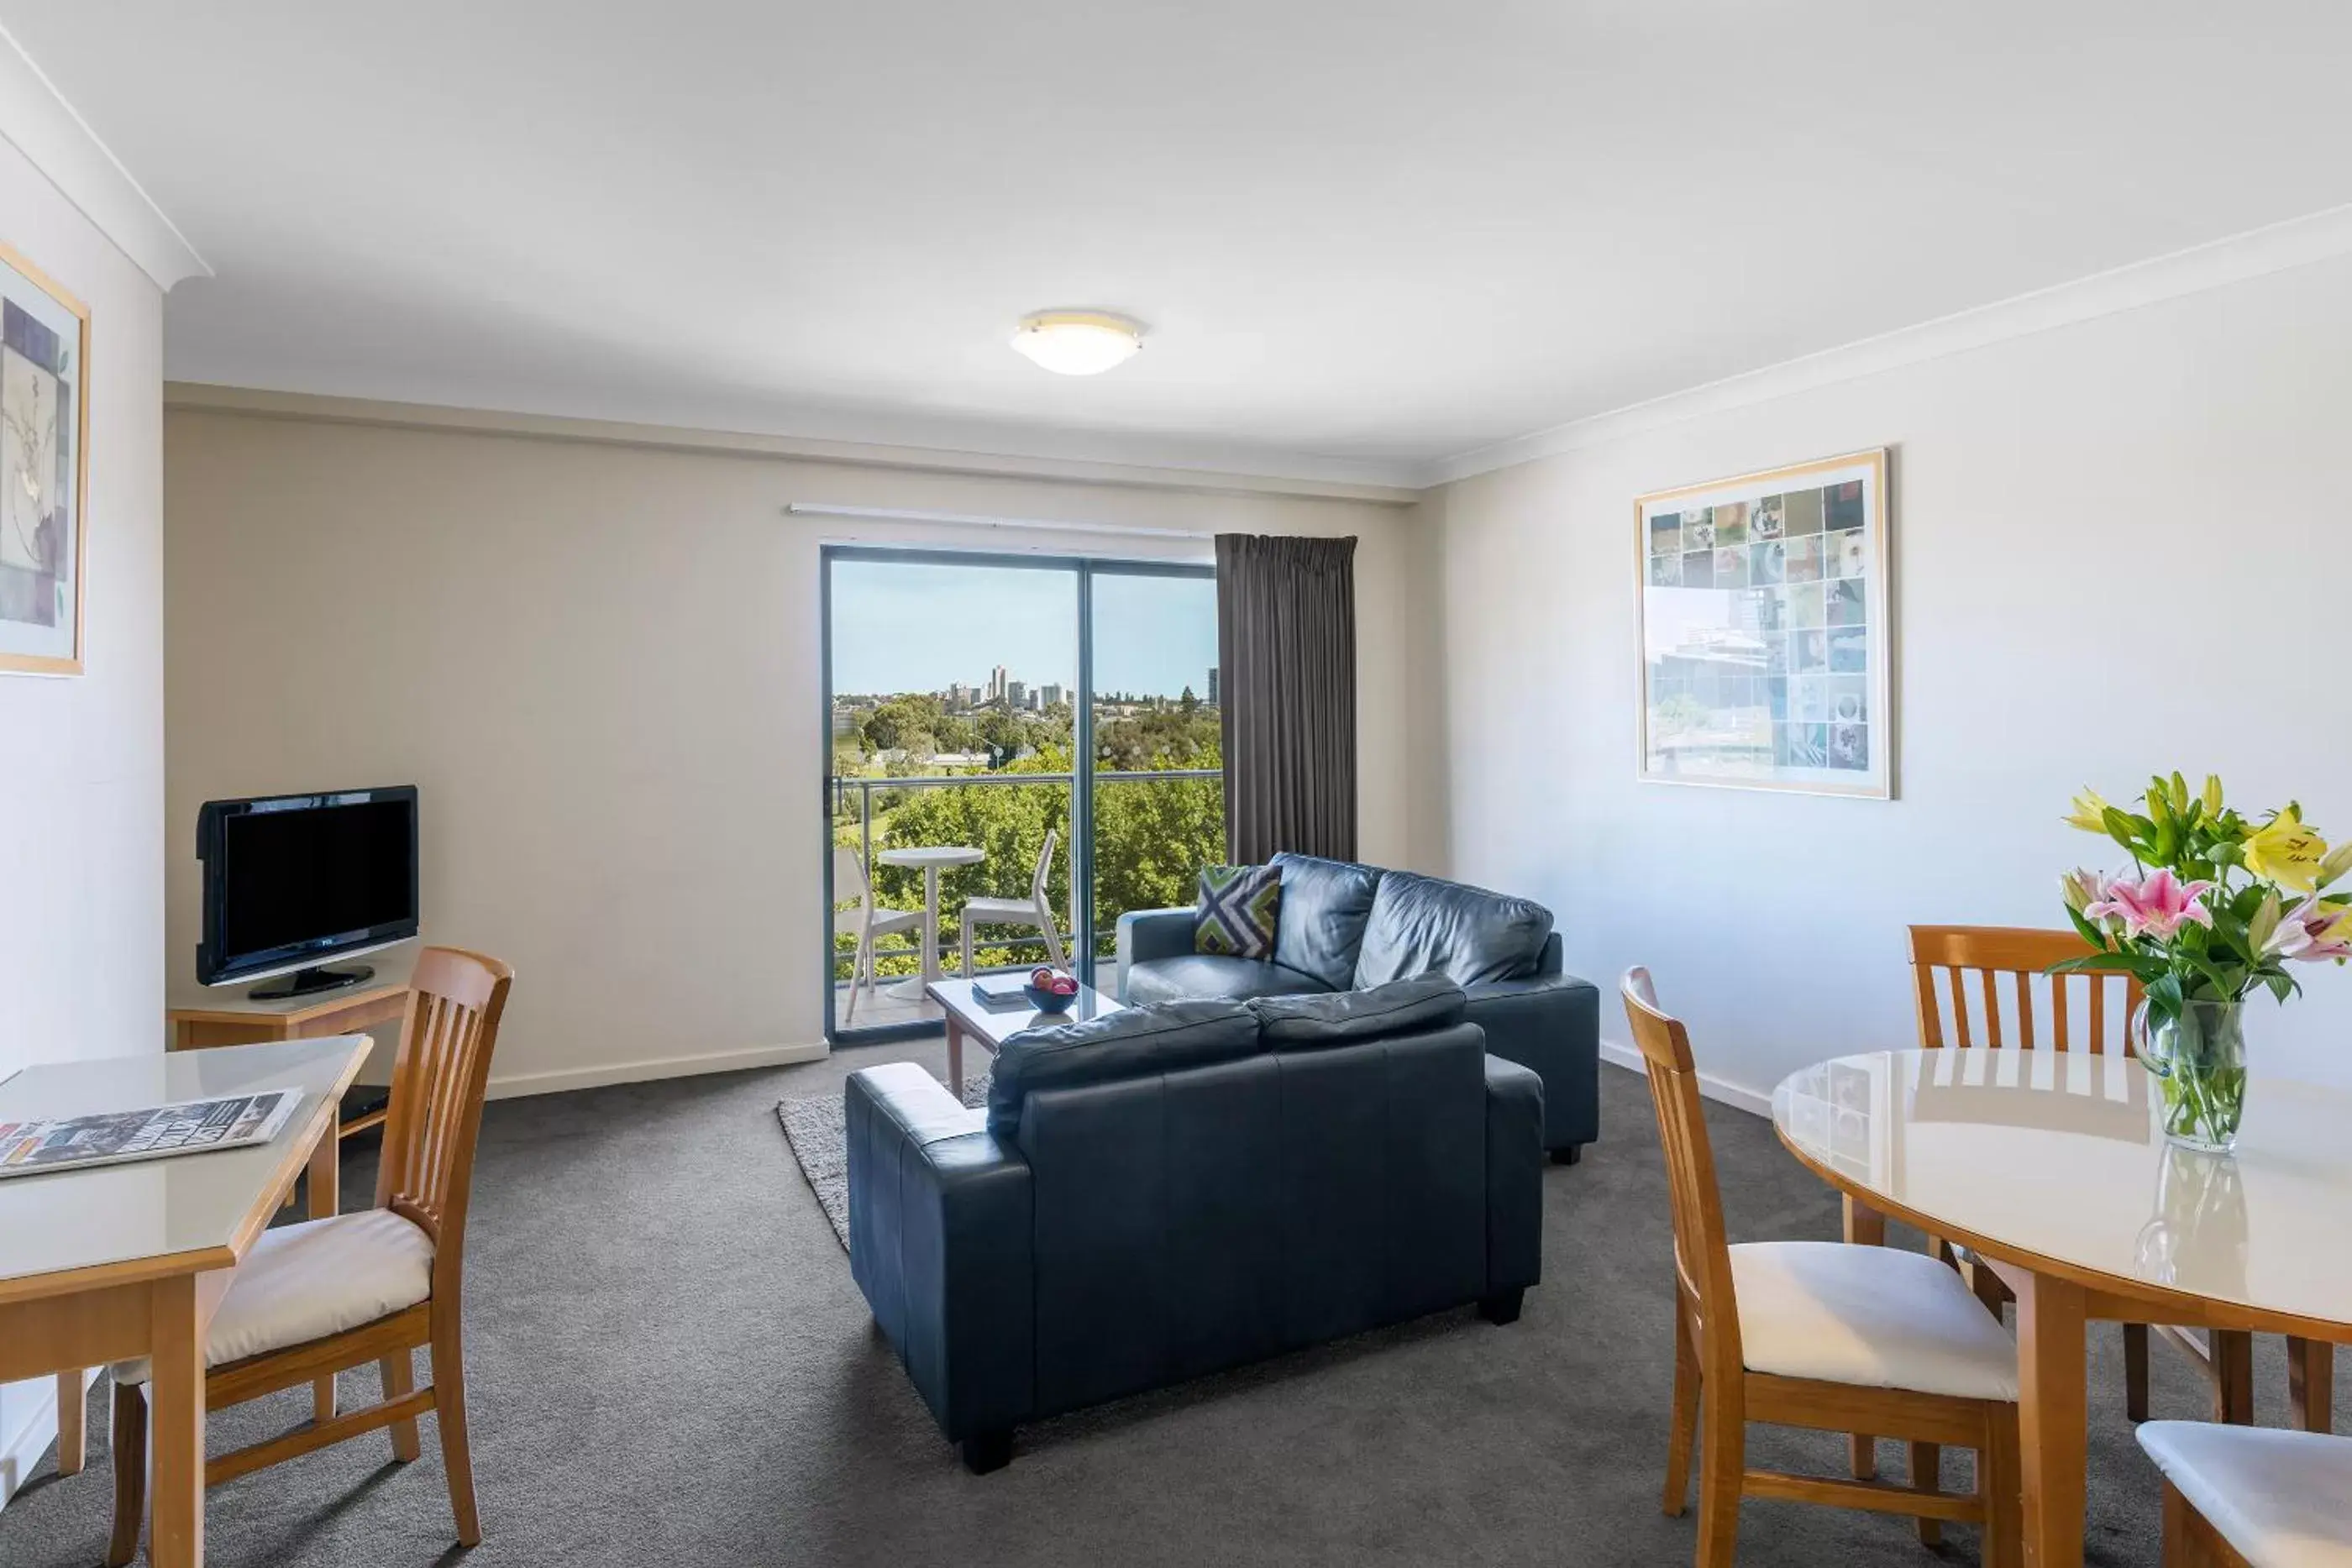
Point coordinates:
pixel 44 470
pixel 1763 611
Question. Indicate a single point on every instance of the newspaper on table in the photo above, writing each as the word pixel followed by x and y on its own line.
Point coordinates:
pixel 153 1133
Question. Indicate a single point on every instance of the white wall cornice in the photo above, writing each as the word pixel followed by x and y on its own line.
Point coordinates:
pixel 37 120
pixel 2297 242
pixel 266 404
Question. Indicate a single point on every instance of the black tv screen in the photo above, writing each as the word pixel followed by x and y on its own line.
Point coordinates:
pixel 293 879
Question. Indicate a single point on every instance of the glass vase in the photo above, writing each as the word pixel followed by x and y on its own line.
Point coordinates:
pixel 2198 1061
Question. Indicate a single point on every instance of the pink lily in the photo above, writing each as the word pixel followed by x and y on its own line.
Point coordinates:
pixel 2313 933
pixel 2157 906
pixel 2081 888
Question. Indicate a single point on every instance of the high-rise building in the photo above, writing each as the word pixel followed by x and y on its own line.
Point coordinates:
pixel 1213 686
pixel 1052 695
pixel 996 684
pixel 1016 693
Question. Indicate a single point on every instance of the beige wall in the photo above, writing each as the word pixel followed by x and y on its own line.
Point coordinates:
pixel 81 758
pixel 600 663
pixel 2116 549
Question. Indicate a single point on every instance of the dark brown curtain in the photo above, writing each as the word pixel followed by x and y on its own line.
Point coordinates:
pixel 1286 653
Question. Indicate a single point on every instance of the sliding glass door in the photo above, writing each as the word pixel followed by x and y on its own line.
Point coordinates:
pixel 1159 808
pixel 1037 734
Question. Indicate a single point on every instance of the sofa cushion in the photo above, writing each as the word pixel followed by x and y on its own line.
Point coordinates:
pixel 1212 976
pixel 1132 1043
pixel 1234 914
pixel 1339 1017
pixel 1324 906
pixel 1419 923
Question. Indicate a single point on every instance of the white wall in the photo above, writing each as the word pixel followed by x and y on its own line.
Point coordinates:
pixel 2119 546
pixel 600 664
pixel 81 758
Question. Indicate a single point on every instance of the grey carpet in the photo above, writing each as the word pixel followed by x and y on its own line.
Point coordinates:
pixel 670 1365
pixel 814 1127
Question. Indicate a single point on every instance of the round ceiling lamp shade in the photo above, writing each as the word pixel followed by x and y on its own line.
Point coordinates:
pixel 1078 342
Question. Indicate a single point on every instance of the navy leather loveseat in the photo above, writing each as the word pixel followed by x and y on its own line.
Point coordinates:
pixel 1343 926
pixel 1170 1191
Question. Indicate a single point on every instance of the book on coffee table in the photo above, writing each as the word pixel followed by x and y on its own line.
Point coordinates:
pixel 1003 992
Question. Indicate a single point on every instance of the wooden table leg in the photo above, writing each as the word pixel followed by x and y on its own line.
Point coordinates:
pixel 72 1447
pixel 176 1400
pixel 2310 1384
pixel 326 1177
pixel 2232 1351
pixel 955 1057
pixel 1865 1227
pixel 2053 1420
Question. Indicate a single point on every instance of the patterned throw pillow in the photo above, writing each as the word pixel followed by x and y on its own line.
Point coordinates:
pixel 1236 913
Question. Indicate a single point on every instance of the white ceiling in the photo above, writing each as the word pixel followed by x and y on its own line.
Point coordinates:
pixel 1367 236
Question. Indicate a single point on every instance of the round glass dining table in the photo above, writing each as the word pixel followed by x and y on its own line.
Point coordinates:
pixel 2054 1166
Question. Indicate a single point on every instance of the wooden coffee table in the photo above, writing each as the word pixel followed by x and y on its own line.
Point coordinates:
pixel 970 1018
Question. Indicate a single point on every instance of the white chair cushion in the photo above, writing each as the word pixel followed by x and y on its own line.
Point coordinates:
pixel 1872 1317
pixel 1014 909
pixel 308 1281
pixel 2282 1498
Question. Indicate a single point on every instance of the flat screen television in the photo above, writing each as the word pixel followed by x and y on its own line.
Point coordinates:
pixel 292 881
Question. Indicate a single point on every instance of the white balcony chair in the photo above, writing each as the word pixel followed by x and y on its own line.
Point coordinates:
pixel 1033 912
pixel 863 916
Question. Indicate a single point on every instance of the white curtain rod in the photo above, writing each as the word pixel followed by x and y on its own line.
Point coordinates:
pixel 979 521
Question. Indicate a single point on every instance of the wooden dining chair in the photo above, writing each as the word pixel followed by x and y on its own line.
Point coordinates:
pixel 2243 1497
pixel 1995 959
pixel 1819 1335
pixel 331 1295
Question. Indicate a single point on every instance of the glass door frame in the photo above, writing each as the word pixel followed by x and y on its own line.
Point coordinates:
pixel 1083 570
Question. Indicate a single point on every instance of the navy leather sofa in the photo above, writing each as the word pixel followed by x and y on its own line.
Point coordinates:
pixel 1344 926
pixel 1172 1190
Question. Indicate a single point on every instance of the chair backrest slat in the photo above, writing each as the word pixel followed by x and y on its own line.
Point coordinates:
pixel 2024 953
pixel 849 885
pixel 1045 867
pixel 1702 1254
pixel 455 999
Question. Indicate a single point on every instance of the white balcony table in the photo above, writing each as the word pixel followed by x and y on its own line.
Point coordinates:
pixel 2053 1166
pixel 930 859
pixel 113 1263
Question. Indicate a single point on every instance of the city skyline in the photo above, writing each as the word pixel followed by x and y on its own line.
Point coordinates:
pixel 927 627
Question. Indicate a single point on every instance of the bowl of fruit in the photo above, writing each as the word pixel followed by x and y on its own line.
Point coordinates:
pixel 1050 990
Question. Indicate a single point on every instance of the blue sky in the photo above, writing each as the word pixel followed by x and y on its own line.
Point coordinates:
pixel 901 627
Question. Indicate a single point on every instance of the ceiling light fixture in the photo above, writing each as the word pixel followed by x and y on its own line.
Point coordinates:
pixel 1078 342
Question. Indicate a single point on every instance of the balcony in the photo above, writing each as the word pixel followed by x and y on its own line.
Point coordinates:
pixel 1153 832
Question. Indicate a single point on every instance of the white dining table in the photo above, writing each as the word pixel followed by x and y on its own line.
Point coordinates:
pixel 2054 1168
pixel 109 1263
pixel 931 860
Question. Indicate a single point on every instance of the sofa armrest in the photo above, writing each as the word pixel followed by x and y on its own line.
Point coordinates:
pixel 939 1228
pixel 1551 1023
pixel 1148 933
pixel 1515 1173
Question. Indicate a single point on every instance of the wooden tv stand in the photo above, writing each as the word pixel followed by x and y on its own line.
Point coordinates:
pixel 224 1015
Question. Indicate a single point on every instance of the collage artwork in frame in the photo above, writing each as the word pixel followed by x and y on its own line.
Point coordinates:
pixel 44 424
pixel 1764 630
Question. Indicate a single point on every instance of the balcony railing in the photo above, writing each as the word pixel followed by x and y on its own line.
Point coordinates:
pixel 1134 857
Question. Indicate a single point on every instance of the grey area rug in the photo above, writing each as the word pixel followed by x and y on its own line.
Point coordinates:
pixel 814 1127
pixel 668 1366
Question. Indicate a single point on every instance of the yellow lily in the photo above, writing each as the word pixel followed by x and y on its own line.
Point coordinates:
pixel 2090 812
pixel 2285 851
pixel 2212 796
